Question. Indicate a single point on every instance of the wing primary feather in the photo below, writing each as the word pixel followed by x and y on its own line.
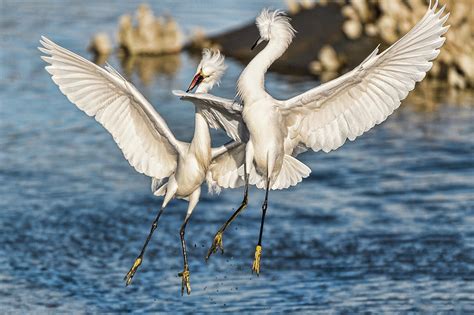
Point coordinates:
pixel 135 126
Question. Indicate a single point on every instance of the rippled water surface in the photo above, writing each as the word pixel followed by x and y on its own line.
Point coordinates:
pixel 384 224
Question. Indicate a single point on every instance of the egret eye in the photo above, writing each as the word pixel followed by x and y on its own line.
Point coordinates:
pixel 206 71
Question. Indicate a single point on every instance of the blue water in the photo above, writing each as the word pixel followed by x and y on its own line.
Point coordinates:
pixel 384 224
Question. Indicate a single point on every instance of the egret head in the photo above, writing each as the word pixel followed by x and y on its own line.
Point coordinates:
pixel 210 70
pixel 274 25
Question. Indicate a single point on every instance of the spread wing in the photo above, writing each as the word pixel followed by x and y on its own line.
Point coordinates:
pixel 219 112
pixel 324 117
pixel 226 169
pixel 139 131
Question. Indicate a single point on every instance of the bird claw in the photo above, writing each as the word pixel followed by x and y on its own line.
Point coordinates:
pixel 256 262
pixel 216 244
pixel 129 276
pixel 185 281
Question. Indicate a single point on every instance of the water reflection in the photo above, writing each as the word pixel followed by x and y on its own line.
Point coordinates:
pixel 427 96
pixel 100 59
pixel 149 67
pixel 430 94
pixel 146 67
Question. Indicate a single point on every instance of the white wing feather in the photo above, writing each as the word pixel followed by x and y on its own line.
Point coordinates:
pixel 324 117
pixel 226 170
pixel 140 132
pixel 220 113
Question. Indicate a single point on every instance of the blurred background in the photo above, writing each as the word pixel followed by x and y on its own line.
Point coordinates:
pixel 383 224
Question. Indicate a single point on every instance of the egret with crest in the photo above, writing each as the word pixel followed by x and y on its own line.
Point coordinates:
pixel 324 117
pixel 177 168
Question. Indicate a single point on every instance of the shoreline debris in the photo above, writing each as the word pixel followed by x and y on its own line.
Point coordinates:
pixel 391 19
pixel 333 37
pixel 353 30
pixel 101 44
pixel 151 35
pixel 143 35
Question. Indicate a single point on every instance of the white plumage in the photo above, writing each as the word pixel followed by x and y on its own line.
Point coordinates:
pixel 177 168
pixel 275 131
pixel 142 135
pixel 220 113
pixel 324 117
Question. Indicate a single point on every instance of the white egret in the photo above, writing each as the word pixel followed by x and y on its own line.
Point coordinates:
pixel 225 114
pixel 325 116
pixel 177 168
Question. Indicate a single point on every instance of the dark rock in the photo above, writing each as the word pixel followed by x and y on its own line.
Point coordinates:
pixel 315 28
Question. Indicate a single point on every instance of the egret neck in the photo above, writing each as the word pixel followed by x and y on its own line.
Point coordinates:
pixel 201 142
pixel 250 85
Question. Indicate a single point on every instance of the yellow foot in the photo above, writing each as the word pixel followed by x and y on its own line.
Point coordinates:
pixel 217 243
pixel 185 281
pixel 131 272
pixel 256 262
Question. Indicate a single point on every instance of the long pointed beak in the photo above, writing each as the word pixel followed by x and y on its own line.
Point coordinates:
pixel 195 82
pixel 257 42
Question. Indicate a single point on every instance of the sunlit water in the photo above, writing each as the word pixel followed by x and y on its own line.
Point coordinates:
pixel 383 224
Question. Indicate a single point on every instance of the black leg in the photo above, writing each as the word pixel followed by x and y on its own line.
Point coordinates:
pixel 264 211
pixel 129 276
pixel 185 273
pixel 258 249
pixel 217 243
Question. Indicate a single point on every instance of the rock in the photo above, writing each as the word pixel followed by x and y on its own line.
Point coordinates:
pixel 349 12
pixel 463 35
pixel 466 63
pixel 362 9
pixel 316 27
pixel 404 26
pixel 307 4
pixel 101 44
pixel 391 8
pixel 171 35
pixel 418 8
pixel 322 2
pixel 352 29
pixel 328 75
pixel 147 29
pixel 455 79
pixel 151 36
pixel 435 70
pixel 459 13
pixel 328 58
pixel 371 30
pixel 387 29
pixel 315 67
pixel 293 6
pixel 417 5
pixel 445 56
pixel 199 40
